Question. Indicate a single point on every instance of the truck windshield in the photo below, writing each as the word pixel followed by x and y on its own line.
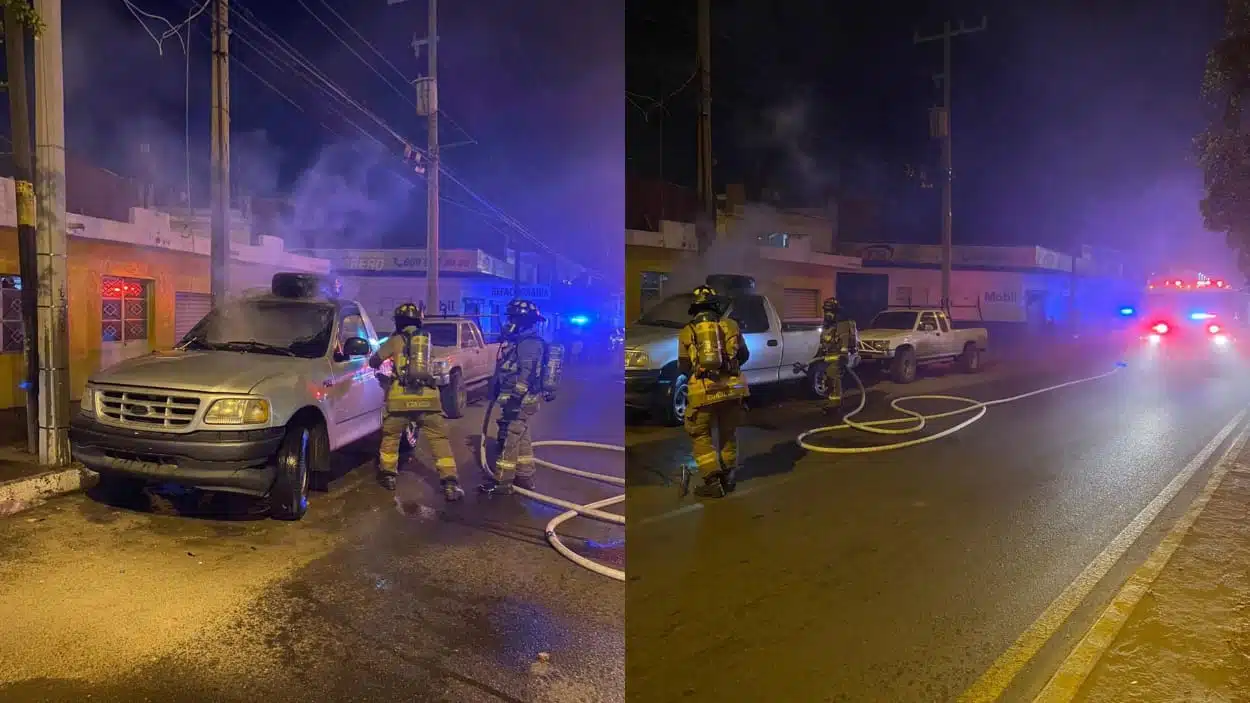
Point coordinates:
pixel 897 320
pixel 283 327
pixel 442 334
pixel 670 312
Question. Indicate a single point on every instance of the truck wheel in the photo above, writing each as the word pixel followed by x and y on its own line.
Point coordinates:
pixel 304 451
pixel 970 360
pixel 817 381
pixel 455 398
pixel 672 410
pixel 903 368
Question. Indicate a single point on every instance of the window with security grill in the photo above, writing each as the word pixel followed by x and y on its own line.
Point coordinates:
pixel 12 329
pixel 652 287
pixel 123 309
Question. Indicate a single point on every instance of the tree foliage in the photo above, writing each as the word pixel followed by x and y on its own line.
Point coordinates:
pixel 1224 147
pixel 26 15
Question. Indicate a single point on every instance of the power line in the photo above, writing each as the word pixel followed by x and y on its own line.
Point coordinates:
pixel 329 88
pixel 295 104
pixel 327 85
pixel 385 60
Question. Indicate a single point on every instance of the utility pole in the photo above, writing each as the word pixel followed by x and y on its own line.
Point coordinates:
pixel 15 35
pixel 52 309
pixel 703 64
pixel 219 237
pixel 940 128
pixel 427 107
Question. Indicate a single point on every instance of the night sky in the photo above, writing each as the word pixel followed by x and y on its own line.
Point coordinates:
pixel 1072 120
pixel 535 84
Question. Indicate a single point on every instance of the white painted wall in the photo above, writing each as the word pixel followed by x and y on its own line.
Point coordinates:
pixel 151 228
pixel 1002 295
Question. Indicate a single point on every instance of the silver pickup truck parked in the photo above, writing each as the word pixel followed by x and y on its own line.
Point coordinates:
pixel 253 400
pixel 652 381
pixel 907 339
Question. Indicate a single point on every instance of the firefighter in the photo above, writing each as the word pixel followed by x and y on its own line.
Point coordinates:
pixel 525 371
pixel 711 352
pixel 837 351
pixel 412 400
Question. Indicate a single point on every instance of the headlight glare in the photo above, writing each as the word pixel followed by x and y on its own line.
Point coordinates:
pixel 238 411
pixel 637 359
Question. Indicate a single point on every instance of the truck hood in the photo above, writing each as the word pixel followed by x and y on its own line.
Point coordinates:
pixel 878 335
pixel 660 343
pixel 208 371
pixel 643 336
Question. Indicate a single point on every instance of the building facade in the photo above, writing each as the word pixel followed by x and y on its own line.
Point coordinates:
pixel 1026 286
pixel 471 282
pixel 133 287
pixel 785 264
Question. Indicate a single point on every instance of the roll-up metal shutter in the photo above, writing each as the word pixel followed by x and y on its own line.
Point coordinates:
pixel 189 308
pixel 799 303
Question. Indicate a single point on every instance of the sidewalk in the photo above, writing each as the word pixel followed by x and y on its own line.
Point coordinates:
pixel 1188 637
pixel 23 482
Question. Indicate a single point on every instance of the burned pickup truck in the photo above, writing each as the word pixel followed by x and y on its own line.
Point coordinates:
pixel 252 400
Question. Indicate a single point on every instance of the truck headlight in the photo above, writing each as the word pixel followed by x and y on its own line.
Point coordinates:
pixel 237 411
pixel 438 366
pixel 637 359
pixel 86 404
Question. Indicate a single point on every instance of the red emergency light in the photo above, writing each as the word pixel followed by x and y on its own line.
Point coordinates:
pixel 1160 328
pixel 1213 329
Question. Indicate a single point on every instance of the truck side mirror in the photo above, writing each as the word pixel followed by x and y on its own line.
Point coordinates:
pixel 927 327
pixel 356 347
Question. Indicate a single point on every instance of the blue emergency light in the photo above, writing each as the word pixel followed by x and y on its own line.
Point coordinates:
pixel 579 319
pixel 1200 316
pixel 1127 311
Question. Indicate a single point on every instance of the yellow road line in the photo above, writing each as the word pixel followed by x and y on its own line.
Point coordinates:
pixel 1071 675
pixel 1010 663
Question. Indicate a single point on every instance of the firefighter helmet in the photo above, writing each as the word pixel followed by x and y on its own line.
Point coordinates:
pixel 704 298
pixel 523 312
pixel 408 315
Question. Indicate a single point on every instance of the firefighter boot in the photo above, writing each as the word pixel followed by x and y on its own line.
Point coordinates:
pixel 713 486
pixel 525 481
pixel 496 488
pixel 452 490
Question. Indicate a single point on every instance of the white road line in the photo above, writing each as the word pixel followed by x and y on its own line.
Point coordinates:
pixel 1010 663
pixel 1081 662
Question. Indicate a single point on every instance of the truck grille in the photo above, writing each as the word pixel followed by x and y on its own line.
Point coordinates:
pixel 148 409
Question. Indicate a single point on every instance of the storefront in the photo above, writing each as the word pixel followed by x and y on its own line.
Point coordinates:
pixel 471 282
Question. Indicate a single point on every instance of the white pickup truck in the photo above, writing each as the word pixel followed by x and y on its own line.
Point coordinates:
pixel 908 338
pixel 652 381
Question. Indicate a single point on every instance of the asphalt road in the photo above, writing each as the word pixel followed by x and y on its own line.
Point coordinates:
pixel 902 576
pixel 372 597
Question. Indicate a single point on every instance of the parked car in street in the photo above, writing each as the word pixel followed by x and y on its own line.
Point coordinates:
pixel 903 340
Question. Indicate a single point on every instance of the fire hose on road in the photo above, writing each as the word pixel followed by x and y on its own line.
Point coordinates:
pixel 591 510
pixel 920 420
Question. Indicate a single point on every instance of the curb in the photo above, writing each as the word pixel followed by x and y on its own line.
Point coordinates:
pixel 1070 678
pixel 27 492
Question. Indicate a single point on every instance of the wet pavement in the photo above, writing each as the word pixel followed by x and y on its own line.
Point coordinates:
pixel 372 597
pixel 903 576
